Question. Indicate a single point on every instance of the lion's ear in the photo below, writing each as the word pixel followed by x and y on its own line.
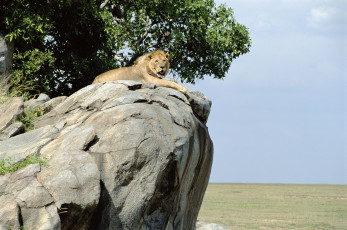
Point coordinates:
pixel 150 56
pixel 167 56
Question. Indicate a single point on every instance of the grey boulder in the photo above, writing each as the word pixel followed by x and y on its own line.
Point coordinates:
pixel 12 130
pixel 10 111
pixel 121 155
pixel 201 225
pixel 36 103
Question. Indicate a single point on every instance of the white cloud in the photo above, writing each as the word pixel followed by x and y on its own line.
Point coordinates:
pixel 327 17
pixel 321 14
pixel 262 25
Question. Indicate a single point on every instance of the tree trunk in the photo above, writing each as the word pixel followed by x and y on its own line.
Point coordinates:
pixel 6 55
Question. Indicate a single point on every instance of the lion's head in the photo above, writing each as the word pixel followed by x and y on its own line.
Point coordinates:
pixel 157 63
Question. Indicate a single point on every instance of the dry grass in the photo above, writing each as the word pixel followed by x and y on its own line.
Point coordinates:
pixel 276 206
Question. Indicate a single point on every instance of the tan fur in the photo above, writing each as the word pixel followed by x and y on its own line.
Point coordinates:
pixel 151 68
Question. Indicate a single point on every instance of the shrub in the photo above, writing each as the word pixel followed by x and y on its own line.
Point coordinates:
pixel 8 166
pixel 29 116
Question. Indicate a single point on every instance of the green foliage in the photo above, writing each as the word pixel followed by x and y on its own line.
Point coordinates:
pixel 18 88
pixel 8 166
pixel 57 44
pixel 29 116
pixel 60 46
pixel 28 64
pixel 3 96
pixel 201 38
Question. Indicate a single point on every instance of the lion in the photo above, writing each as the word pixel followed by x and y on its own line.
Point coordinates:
pixel 150 68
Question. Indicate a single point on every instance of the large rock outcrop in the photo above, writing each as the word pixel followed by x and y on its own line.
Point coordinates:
pixel 121 155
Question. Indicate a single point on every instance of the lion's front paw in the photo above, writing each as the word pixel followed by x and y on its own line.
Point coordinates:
pixel 182 89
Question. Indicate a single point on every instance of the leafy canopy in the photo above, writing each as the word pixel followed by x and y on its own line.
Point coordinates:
pixel 61 45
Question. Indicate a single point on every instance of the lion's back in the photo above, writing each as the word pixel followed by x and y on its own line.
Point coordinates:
pixel 124 73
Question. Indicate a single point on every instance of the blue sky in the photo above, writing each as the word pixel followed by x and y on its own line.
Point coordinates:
pixel 280 114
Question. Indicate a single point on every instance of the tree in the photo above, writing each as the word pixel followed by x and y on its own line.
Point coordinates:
pixel 61 45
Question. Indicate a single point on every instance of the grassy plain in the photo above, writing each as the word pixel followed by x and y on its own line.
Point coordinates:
pixel 275 206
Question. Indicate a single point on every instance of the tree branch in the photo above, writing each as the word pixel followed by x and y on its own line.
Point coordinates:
pixel 133 58
pixel 149 26
pixel 102 6
pixel 118 58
